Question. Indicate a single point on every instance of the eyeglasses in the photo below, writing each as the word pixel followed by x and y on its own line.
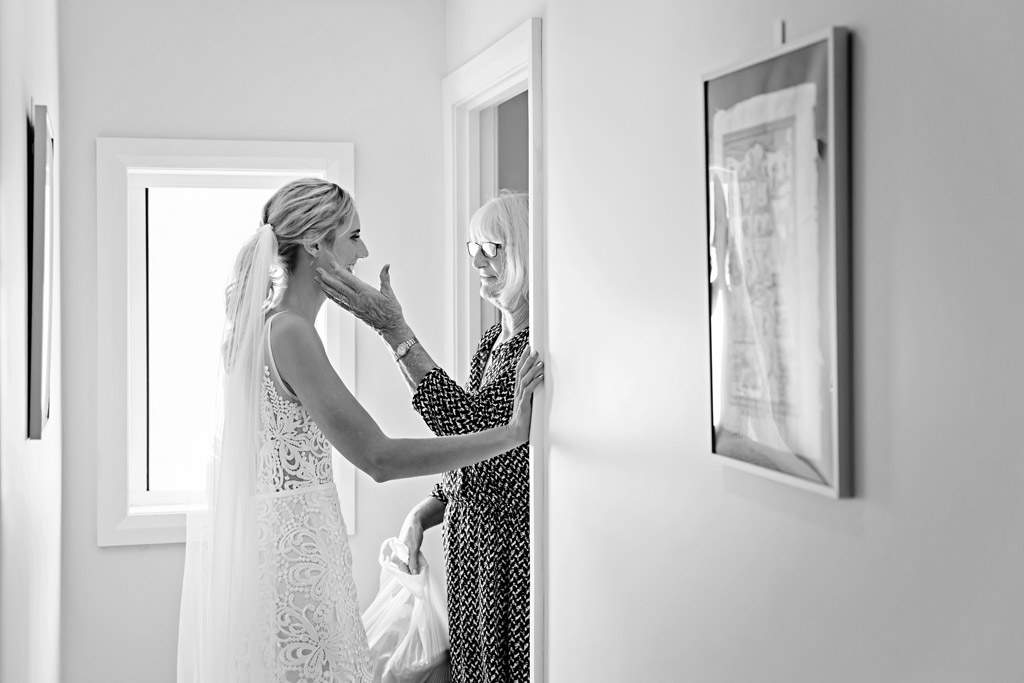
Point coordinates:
pixel 490 249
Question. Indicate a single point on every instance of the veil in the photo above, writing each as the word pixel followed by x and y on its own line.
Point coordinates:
pixel 221 629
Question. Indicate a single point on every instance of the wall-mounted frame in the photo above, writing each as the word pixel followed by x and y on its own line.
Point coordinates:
pixel 777 173
pixel 41 235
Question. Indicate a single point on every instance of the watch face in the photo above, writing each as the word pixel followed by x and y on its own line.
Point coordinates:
pixel 404 347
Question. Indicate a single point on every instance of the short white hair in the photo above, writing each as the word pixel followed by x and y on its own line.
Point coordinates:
pixel 506 221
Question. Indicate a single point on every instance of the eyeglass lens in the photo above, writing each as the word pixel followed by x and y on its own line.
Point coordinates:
pixel 490 249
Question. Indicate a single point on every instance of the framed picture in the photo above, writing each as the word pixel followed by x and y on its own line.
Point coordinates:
pixel 777 153
pixel 40 250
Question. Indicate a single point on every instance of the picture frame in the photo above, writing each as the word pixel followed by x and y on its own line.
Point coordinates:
pixel 777 227
pixel 40 248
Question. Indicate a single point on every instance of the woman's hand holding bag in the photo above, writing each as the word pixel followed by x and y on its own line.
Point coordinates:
pixel 407 623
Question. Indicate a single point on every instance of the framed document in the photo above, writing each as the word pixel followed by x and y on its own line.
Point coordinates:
pixel 777 150
pixel 41 234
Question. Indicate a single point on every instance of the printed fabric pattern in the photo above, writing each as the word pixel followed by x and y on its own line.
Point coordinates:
pixel 486 531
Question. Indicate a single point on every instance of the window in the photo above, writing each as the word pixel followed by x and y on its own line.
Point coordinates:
pixel 171 216
pixel 192 234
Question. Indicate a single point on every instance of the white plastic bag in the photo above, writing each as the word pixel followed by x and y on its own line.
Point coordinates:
pixel 407 623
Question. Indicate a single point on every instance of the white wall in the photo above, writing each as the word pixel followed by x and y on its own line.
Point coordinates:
pixel 346 70
pixel 665 566
pixel 30 471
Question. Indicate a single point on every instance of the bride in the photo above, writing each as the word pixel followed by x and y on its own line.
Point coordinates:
pixel 268 594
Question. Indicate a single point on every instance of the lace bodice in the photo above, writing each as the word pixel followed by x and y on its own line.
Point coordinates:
pixel 294 453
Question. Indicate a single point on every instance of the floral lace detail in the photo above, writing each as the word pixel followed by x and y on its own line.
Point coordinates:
pixel 308 607
pixel 293 451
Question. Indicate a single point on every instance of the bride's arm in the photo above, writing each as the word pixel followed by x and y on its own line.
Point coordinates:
pixel 303 365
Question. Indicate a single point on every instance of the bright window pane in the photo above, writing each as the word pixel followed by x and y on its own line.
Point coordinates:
pixel 194 235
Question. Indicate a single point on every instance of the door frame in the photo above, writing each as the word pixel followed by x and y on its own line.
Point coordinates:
pixel 505 69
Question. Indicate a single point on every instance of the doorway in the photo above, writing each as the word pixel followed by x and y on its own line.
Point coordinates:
pixel 490 104
pixel 504 165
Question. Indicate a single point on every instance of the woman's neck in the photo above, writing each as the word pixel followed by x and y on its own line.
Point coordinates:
pixel 513 321
pixel 303 296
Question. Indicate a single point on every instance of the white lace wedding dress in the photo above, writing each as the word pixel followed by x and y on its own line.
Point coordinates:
pixel 313 632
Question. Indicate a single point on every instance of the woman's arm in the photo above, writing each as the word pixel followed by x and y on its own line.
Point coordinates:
pixel 303 364
pixel 381 310
pixel 416 363
pixel 448 409
pixel 426 515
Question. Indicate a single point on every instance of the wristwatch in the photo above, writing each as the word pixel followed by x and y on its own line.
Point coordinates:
pixel 404 347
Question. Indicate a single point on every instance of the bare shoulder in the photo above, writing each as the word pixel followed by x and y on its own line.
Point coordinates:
pixel 302 363
pixel 291 335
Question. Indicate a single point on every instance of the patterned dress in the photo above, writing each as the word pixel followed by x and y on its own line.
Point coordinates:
pixel 307 606
pixel 486 521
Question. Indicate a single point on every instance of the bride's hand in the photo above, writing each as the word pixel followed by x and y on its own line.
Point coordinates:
pixel 380 309
pixel 529 375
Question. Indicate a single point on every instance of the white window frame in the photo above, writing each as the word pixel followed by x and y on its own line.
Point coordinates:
pixel 126 514
pixel 502 71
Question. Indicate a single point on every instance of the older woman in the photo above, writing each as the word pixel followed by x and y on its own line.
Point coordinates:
pixel 485 506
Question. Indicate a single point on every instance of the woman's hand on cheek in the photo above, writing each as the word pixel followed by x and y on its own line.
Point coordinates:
pixel 380 309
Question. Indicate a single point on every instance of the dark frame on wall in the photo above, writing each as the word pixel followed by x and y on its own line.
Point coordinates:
pixel 41 232
pixel 777 174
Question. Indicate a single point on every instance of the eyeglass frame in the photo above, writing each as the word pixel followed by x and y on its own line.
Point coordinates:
pixel 480 246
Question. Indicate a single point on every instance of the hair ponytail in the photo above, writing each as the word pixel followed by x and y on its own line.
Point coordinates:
pixel 239 291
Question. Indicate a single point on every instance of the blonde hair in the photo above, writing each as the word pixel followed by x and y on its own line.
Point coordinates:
pixel 305 212
pixel 506 221
pixel 302 213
